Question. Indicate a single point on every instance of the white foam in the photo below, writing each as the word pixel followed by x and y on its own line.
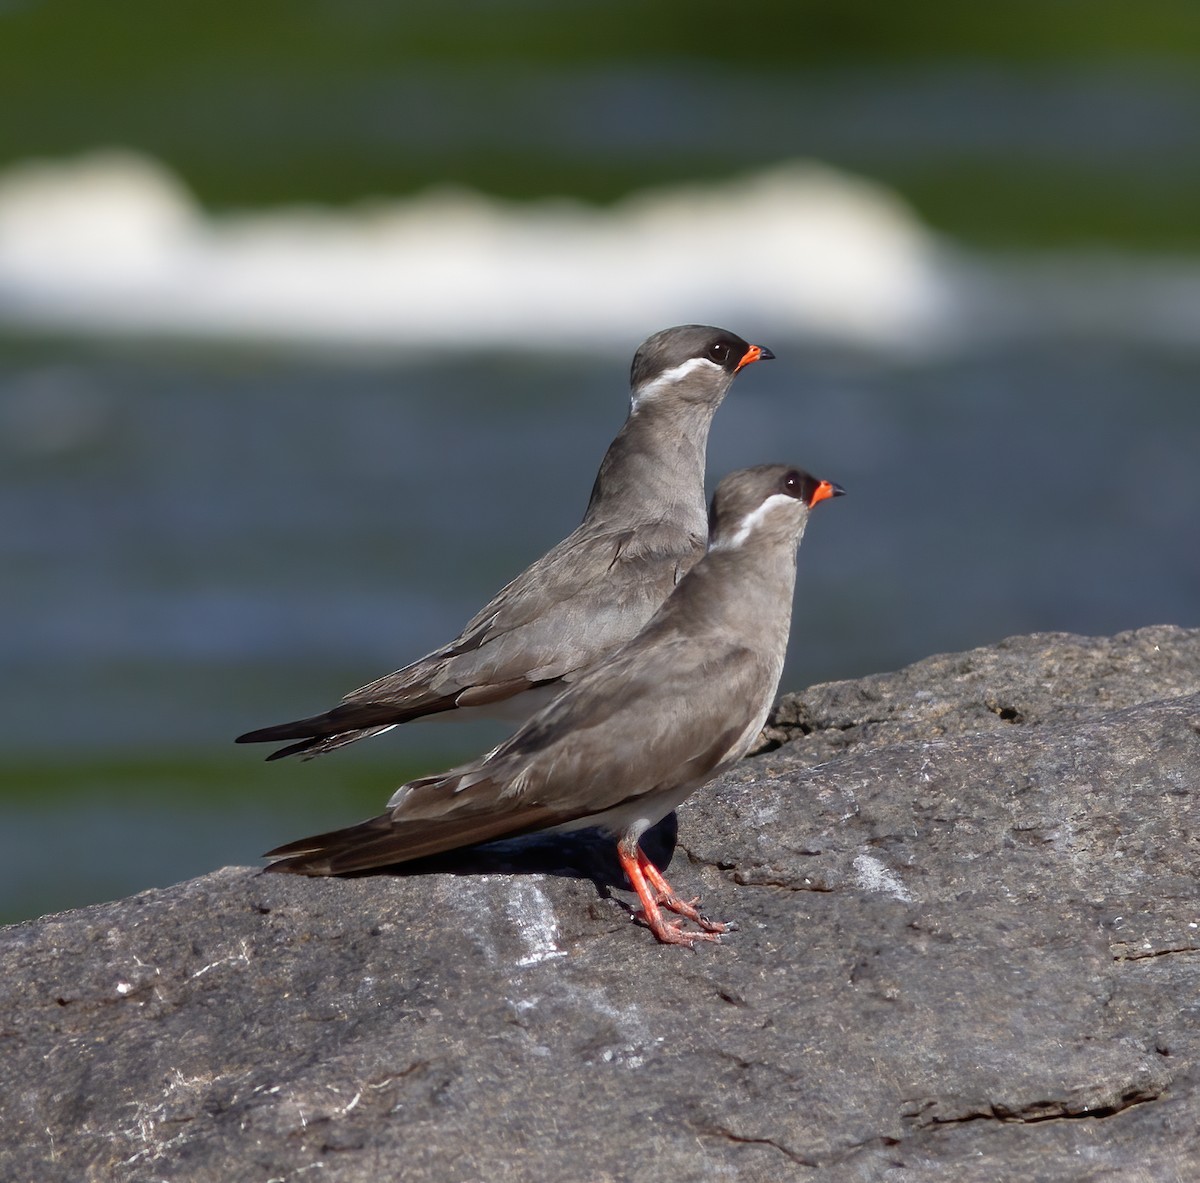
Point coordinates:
pixel 112 243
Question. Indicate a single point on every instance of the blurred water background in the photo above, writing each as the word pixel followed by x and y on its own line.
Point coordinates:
pixel 315 321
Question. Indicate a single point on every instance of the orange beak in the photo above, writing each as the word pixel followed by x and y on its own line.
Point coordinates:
pixel 753 354
pixel 825 490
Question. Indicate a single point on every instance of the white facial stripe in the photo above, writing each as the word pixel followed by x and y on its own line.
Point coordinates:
pixel 752 521
pixel 648 390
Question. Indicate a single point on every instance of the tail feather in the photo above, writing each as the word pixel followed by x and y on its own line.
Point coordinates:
pixel 343 725
pixel 357 718
pixel 318 745
pixel 384 841
pixel 348 716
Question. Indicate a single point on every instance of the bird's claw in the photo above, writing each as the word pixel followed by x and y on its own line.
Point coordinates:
pixel 672 932
pixel 688 908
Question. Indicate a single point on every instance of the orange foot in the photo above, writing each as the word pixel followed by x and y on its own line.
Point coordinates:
pixel 666 898
pixel 644 875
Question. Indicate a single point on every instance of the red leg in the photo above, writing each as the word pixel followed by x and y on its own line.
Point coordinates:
pixel 669 933
pixel 669 900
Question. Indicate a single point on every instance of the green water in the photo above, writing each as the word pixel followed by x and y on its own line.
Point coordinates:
pixel 1024 124
pixel 230 541
pixel 103 825
pixel 201 541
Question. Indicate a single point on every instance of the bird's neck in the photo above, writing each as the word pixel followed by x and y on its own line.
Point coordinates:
pixel 741 596
pixel 757 582
pixel 654 469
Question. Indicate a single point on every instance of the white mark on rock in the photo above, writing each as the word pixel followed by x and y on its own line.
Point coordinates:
pixel 871 875
pixel 529 909
pixel 151 1121
pixel 764 813
pixel 241 957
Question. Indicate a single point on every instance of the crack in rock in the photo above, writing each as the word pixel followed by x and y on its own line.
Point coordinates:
pixel 1119 953
pixel 728 1135
pixel 925 1113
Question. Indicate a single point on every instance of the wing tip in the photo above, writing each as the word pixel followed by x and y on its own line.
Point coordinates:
pixel 299 864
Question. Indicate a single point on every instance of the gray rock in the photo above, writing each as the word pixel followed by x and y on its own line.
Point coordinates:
pixel 1044 678
pixel 969 950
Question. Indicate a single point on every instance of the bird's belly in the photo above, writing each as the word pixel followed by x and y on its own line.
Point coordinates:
pixel 633 817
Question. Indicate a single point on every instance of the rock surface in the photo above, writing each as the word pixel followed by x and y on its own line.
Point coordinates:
pixel 969 950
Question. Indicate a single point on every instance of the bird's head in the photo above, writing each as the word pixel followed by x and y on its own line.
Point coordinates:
pixel 770 501
pixel 690 364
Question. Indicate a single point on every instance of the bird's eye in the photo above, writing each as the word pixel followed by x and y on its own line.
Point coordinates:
pixel 719 352
pixel 793 485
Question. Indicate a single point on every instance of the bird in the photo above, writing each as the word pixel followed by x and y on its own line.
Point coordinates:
pixel 644 527
pixel 623 746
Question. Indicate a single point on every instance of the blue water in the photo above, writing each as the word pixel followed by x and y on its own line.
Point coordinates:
pixel 195 542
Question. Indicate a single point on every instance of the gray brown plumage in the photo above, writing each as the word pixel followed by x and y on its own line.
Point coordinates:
pixel 635 736
pixel 644 528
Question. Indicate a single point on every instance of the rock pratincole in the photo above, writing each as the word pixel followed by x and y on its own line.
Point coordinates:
pixel 644 527
pixel 627 742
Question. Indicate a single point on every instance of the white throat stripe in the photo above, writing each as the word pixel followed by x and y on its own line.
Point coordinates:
pixel 751 522
pixel 648 390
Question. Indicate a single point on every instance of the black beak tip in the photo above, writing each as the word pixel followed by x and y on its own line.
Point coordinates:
pixel 765 354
